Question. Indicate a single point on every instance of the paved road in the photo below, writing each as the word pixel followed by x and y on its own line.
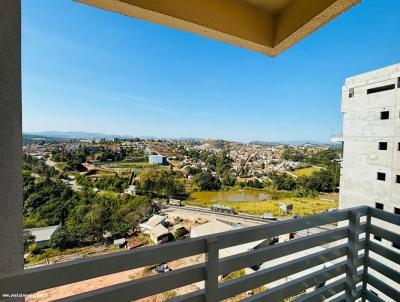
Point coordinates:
pixel 208 211
pixel 195 213
pixel 244 219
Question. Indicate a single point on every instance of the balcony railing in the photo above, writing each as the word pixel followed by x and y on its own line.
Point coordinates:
pixel 337 137
pixel 347 279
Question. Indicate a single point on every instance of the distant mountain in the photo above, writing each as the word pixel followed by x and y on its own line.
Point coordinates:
pixel 90 135
pixel 294 143
pixel 33 138
pixel 76 135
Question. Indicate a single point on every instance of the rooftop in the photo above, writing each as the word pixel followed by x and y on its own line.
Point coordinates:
pixel 380 74
pixel 43 234
pixel 152 222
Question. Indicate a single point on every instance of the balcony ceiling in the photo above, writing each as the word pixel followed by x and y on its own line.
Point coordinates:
pixel 266 26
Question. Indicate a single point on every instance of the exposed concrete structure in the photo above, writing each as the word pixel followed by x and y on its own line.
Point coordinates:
pixel 11 245
pixel 363 131
pixel 266 26
pixel 371 154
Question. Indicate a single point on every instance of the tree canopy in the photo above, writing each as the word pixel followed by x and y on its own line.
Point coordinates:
pixel 85 216
pixel 160 182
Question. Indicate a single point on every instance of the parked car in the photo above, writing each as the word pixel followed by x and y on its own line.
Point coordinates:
pixel 162 268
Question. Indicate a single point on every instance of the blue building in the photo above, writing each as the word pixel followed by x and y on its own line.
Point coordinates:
pixel 158 159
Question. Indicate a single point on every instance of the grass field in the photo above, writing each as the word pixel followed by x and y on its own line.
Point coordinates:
pixel 301 206
pixel 139 165
pixel 98 172
pixel 50 253
pixel 306 171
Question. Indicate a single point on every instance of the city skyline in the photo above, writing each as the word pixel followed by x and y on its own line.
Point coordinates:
pixel 132 78
pixel 83 135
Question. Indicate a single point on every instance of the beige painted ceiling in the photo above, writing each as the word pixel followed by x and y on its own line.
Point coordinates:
pixel 266 26
pixel 271 6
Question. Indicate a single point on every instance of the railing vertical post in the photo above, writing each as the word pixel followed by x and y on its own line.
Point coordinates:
pixel 11 201
pixel 366 256
pixel 212 262
pixel 352 255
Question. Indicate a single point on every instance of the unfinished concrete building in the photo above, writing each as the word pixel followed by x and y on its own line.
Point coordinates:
pixel 370 172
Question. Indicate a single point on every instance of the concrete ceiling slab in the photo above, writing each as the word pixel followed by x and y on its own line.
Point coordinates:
pixel 266 26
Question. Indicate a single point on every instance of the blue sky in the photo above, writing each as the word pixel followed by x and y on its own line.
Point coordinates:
pixel 85 69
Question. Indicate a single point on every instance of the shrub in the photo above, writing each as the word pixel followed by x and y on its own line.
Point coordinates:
pixel 34 249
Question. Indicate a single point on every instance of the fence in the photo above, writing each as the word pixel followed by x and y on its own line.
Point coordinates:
pixel 348 277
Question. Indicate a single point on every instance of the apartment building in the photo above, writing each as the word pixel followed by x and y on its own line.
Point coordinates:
pixel 370 172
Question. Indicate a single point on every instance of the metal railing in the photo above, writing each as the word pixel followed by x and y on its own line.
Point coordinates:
pixel 347 279
pixel 337 137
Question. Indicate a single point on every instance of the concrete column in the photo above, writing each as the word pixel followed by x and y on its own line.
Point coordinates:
pixel 11 245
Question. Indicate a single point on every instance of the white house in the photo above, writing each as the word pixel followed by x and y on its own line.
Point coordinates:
pixel 154 227
pixel 44 234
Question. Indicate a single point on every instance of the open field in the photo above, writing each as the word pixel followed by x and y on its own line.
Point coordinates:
pixel 306 171
pixel 175 162
pixel 301 206
pixel 50 255
pixel 98 173
pixel 137 165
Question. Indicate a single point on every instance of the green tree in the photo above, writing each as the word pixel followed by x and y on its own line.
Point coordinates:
pixel 325 180
pixel 282 181
pixel 28 239
pixel 228 179
pixel 292 154
pixel 206 181
pixel 85 216
pixel 160 182
pixel 324 157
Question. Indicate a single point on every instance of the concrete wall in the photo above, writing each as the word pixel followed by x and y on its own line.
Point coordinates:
pixel 11 246
pixel 363 129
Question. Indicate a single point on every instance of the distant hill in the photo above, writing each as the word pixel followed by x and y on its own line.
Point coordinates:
pixel 75 135
pixel 295 143
pixel 34 138
pixel 90 135
pixel 57 135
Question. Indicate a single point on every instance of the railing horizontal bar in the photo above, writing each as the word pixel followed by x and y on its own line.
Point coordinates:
pixel 384 288
pixel 324 292
pixel 385 216
pixel 384 270
pixel 277 272
pixel 82 269
pixel 373 298
pixel 343 297
pixel 54 275
pixel 258 256
pixel 45 277
pixel 144 287
pixel 296 286
pixel 245 235
pixel 197 296
pixel 385 234
pixel 384 252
